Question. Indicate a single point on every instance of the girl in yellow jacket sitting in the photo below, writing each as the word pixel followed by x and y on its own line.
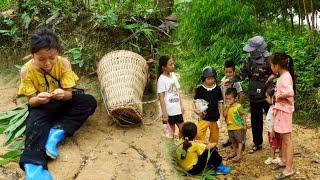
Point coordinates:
pixel 192 156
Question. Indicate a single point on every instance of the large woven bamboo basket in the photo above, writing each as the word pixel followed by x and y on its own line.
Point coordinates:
pixel 123 77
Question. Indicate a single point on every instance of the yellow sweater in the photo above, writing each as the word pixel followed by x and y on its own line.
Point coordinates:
pixel 34 81
pixel 192 155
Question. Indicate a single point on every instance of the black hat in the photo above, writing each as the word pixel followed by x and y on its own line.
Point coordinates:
pixel 208 72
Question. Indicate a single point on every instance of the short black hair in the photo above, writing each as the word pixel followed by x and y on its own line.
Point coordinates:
pixel 270 91
pixel 232 91
pixel 44 38
pixel 230 64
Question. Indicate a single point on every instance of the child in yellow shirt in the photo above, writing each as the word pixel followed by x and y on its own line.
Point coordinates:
pixel 236 124
pixel 193 156
pixel 55 111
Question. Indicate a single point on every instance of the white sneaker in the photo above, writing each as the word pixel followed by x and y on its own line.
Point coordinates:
pixel 276 160
pixel 268 161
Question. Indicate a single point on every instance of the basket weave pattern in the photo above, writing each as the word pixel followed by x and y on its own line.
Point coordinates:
pixel 123 77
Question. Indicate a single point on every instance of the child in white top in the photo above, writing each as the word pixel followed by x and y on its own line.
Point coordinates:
pixel 274 138
pixel 168 90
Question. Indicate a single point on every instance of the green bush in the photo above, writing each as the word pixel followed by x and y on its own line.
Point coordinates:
pixel 213 33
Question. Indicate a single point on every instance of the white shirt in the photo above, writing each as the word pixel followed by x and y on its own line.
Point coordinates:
pixel 224 88
pixel 270 119
pixel 170 86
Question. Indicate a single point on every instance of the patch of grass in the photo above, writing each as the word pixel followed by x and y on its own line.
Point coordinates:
pixel 308 118
pixel 9 75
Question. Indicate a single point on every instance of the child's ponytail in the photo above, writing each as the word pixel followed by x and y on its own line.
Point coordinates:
pixel 291 71
pixel 186 144
pixel 189 132
pixel 284 61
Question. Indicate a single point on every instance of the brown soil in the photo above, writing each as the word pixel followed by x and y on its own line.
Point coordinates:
pixel 101 149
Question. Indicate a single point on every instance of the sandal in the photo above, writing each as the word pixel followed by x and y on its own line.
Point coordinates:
pixel 284 176
pixel 232 155
pixel 277 166
pixel 236 159
pixel 255 148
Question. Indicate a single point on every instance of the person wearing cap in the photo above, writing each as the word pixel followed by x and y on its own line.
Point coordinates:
pixel 259 74
pixel 210 92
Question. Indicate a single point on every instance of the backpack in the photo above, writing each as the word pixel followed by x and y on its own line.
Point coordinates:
pixel 258 76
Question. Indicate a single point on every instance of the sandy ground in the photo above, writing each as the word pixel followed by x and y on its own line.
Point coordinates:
pixel 101 149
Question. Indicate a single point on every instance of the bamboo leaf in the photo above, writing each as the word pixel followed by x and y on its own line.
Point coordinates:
pixel 17 144
pixel 16 118
pixel 19 122
pixel 2 129
pixel 8 114
pixel 8 138
pixel 9 156
pixel 20 131
pixel 4 162
pixel 12 154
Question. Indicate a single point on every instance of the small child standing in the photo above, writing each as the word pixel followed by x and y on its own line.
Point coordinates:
pixel 168 90
pixel 274 138
pixel 282 64
pixel 193 156
pixel 228 81
pixel 210 92
pixel 236 124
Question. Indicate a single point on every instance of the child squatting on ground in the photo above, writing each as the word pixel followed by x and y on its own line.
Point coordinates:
pixel 193 156
pixel 274 138
pixel 282 64
pixel 210 92
pixel 236 124
pixel 168 90
pixel 54 110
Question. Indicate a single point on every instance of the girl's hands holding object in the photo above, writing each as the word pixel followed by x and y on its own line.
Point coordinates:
pixel 44 97
pixel 58 94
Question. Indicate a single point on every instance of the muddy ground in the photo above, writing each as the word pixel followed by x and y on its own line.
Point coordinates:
pixel 101 149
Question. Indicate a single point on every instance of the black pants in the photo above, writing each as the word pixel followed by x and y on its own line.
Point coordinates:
pixel 67 115
pixel 214 160
pixel 257 109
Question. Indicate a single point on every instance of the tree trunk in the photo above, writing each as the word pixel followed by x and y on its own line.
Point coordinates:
pixel 300 17
pixel 165 6
pixel 291 15
pixel 306 14
pixel 316 20
pixel 312 16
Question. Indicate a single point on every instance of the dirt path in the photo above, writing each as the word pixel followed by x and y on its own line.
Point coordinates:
pixel 102 150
